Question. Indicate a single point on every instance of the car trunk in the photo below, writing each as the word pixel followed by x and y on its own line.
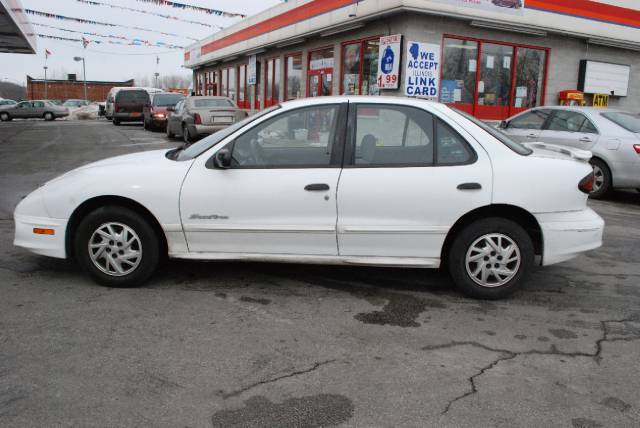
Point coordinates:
pixel 218 116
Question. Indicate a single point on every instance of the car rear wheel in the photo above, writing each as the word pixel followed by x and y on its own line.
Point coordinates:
pixel 602 179
pixel 117 247
pixel 116 122
pixel 5 117
pixel 49 116
pixel 170 134
pixel 186 136
pixel 489 258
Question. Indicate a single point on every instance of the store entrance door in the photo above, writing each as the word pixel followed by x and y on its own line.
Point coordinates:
pixel 320 82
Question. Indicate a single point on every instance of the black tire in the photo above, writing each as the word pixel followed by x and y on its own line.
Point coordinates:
pixel 170 134
pixel 602 171
pixel 5 117
pixel 116 122
pixel 49 116
pixel 185 135
pixel 462 244
pixel 148 242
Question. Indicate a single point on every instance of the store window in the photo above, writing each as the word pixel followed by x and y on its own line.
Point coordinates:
pixel 272 82
pixel 320 73
pixel 232 85
pixel 360 67
pixel 224 80
pixel 492 80
pixel 293 78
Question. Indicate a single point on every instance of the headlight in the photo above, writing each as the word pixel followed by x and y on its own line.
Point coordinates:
pixel 159 115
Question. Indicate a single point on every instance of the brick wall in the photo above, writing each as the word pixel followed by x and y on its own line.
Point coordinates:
pixel 67 89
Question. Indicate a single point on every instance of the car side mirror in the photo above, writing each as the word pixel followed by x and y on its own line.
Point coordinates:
pixel 222 159
pixel 504 124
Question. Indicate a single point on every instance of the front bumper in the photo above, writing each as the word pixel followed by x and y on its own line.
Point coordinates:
pixel 46 245
pixel 567 235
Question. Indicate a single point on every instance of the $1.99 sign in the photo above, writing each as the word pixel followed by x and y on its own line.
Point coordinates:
pixel 389 61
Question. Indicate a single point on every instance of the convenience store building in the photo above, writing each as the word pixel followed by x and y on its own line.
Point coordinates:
pixel 491 58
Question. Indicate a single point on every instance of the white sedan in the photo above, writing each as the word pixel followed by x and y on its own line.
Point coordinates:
pixel 346 180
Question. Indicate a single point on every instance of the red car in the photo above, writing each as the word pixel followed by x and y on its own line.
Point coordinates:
pixel 155 113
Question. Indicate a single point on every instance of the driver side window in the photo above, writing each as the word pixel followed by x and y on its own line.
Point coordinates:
pixel 24 104
pixel 298 138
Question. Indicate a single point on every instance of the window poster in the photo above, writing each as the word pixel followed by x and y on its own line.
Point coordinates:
pixel 422 70
pixel 389 62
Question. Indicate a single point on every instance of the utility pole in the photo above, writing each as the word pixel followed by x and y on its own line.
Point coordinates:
pixel 45 81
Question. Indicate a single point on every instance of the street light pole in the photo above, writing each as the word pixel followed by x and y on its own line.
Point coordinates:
pixel 45 82
pixel 84 74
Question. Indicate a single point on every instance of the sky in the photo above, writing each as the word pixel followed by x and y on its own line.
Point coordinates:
pixel 115 62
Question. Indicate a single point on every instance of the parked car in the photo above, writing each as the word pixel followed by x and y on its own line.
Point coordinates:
pixel 613 136
pixel 32 109
pixel 75 103
pixel 155 114
pixel 7 102
pixel 111 98
pixel 129 105
pixel 198 116
pixel 420 185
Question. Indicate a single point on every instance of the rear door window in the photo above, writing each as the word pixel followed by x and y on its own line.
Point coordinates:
pixel 571 121
pixel 532 120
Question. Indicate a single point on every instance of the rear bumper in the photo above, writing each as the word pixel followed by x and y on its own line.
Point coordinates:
pixel 206 129
pixel 569 234
pixel 46 245
pixel 128 117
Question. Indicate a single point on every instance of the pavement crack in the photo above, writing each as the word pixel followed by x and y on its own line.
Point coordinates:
pixel 317 365
pixel 506 355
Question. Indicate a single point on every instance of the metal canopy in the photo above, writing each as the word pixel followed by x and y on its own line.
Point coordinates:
pixel 16 32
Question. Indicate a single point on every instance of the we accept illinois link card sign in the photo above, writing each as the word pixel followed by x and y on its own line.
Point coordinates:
pixel 422 70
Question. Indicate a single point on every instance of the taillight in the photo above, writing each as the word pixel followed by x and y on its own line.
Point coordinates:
pixel 636 147
pixel 197 119
pixel 586 184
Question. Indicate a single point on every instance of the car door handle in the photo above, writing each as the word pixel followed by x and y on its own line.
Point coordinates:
pixel 585 139
pixel 316 187
pixel 532 136
pixel 469 186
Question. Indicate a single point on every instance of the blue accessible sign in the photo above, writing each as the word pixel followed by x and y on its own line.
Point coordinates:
pixel 422 70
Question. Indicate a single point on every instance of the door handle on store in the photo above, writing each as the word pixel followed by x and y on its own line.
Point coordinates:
pixel 316 187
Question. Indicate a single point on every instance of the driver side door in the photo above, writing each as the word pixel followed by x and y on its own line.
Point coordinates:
pixel 278 196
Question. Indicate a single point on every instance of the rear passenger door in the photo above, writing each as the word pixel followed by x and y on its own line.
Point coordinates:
pixel 527 126
pixel 408 176
pixel 570 128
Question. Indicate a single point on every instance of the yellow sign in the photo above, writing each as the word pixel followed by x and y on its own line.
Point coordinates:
pixel 601 100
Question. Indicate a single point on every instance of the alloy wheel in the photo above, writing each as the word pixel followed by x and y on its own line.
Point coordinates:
pixel 599 178
pixel 493 260
pixel 115 249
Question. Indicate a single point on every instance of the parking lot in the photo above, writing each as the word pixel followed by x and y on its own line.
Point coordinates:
pixel 239 344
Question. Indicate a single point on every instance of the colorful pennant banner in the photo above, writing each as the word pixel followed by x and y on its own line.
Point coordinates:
pixel 136 40
pixel 161 15
pixel 107 24
pixel 133 42
pixel 177 5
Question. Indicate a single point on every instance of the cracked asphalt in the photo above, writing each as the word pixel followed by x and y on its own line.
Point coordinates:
pixel 272 345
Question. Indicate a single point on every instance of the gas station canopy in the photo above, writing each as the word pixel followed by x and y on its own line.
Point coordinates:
pixel 16 32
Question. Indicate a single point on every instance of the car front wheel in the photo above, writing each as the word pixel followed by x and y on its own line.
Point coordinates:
pixel 117 247
pixel 489 258
pixel 5 117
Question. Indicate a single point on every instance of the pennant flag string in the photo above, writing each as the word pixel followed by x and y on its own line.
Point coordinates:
pixel 177 5
pixel 161 15
pixel 85 42
pixel 110 36
pixel 106 24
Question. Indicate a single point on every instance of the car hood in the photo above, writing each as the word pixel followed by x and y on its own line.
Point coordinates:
pixel 159 110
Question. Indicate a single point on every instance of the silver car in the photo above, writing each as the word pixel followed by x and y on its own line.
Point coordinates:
pixel 613 136
pixel 197 116
pixel 32 109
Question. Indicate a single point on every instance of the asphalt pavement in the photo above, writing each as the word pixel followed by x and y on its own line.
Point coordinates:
pixel 271 345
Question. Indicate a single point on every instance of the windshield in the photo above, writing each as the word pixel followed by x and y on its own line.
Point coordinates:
pixel 212 102
pixel 629 121
pixel 166 100
pixel 203 145
pixel 497 134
